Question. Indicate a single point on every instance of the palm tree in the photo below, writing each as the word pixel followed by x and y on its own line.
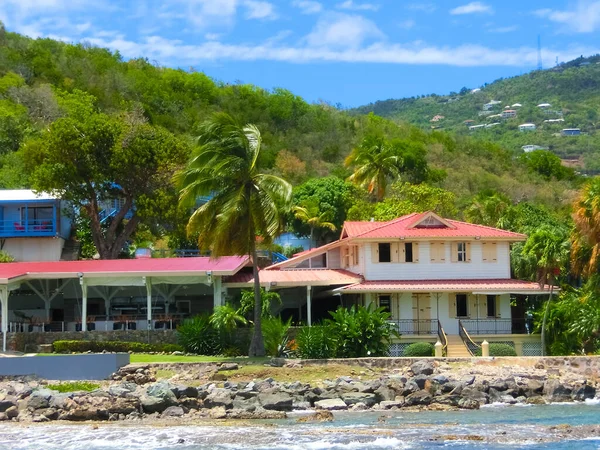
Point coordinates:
pixel 245 203
pixel 311 215
pixel 549 248
pixel 586 234
pixel 375 161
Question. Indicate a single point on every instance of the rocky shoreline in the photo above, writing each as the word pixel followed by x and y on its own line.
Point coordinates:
pixel 135 394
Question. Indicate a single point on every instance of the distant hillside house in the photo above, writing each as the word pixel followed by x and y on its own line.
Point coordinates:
pixel 490 105
pixel 516 105
pixel 490 125
pixel 527 127
pixel 571 132
pixel 507 114
pixel 475 90
pixel 544 105
pixel 553 120
pixel 477 127
pixel 530 148
pixel 437 118
pixel 468 122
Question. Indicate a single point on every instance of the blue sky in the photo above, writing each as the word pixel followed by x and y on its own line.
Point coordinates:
pixel 344 51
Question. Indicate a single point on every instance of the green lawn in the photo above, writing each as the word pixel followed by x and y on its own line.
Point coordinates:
pixel 147 358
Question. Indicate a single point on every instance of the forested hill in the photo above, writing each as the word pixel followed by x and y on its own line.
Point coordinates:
pixel 572 89
pixel 42 80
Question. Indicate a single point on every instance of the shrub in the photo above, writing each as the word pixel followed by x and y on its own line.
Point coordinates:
pixel 112 346
pixel 499 349
pixel 361 331
pixel 197 335
pixel 275 334
pixel 419 349
pixel 6 257
pixel 314 343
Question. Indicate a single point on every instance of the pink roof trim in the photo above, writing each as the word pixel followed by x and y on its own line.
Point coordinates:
pixel 227 265
pixel 296 277
pixel 500 285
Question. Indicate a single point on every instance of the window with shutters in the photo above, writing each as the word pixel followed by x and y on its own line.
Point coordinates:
pixel 489 250
pixel 385 302
pixel 354 255
pixel 461 305
pixel 437 252
pixel 408 252
pixel 385 253
pixel 491 306
pixel 461 251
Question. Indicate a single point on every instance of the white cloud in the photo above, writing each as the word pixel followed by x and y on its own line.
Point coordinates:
pixel 472 8
pixel 584 17
pixel 350 5
pixel 343 30
pixel 407 24
pixel 507 29
pixel 308 6
pixel 260 10
pixel 425 7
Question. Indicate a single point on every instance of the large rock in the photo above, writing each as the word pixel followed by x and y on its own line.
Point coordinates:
pixel 476 395
pixel 123 389
pixel 583 391
pixel 555 391
pixel 37 402
pixel 421 397
pixel 467 403
pixel 331 404
pixel 385 393
pixel 276 401
pixel 423 367
pixel 8 402
pixel 185 392
pixel 162 389
pixel 219 398
pixel 154 404
pixel 351 398
pixel 391 404
pixel 173 411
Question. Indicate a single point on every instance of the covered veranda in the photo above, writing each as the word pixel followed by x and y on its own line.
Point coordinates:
pixel 142 294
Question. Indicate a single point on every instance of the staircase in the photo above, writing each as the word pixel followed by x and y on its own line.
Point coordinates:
pixel 70 250
pixel 456 347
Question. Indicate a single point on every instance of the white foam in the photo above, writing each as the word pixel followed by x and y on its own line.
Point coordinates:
pixel 592 401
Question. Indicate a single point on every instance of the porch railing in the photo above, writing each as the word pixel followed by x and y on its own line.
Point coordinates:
pixel 443 339
pixel 464 335
pixel 417 326
pixel 26 228
pixel 495 326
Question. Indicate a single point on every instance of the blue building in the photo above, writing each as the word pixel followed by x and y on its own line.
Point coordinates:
pixel 33 227
pixel 571 132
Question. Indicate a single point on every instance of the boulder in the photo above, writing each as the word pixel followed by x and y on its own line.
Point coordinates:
pixel 154 404
pixel 440 379
pixel 536 400
pixel 555 391
pixel 409 387
pixel 331 404
pixel 123 389
pixel 37 402
pixel 389 404
pixel 582 392
pixel 498 385
pixel 162 389
pixel 352 398
pixel 474 395
pixel 8 402
pixel 533 388
pixel 448 399
pixel 423 367
pixel 467 403
pixel 12 412
pixel 185 392
pixel 420 381
pixel 276 401
pixel 421 397
pixel 359 407
pixel 219 398
pixel 277 362
pixel 248 405
pixel 173 411
pixel 385 393
pixel 319 416
pixel 228 366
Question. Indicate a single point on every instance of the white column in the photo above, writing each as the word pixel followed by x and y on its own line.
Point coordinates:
pixel 4 302
pixel 308 306
pixel 148 301
pixel 217 292
pixel 84 294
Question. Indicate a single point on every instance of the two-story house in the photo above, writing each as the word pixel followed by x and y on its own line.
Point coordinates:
pixel 33 227
pixel 430 273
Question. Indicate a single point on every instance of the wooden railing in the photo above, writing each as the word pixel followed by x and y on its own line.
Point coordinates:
pixel 416 326
pixel 464 335
pixel 443 339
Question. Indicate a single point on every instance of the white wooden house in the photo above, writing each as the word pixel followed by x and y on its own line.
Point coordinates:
pixel 433 275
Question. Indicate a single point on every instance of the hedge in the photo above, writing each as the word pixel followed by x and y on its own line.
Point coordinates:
pixel 419 349
pixel 499 349
pixel 112 346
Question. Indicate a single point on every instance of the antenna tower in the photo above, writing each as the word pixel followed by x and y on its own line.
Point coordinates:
pixel 539 53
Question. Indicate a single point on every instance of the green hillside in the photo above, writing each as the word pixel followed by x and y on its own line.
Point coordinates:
pixel 46 86
pixel 572 89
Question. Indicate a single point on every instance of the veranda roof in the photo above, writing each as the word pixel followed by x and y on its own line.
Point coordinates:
pixel 294 277
pixel 489 286
pixel 108 270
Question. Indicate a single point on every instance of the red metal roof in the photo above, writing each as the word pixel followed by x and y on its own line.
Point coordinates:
pixel 405 227
pixel 227 265
pixel 294 277
pixel 488 285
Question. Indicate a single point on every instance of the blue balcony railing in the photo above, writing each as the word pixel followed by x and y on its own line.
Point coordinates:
pixel 27 228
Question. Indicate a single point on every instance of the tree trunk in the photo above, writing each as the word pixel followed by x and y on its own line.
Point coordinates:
pixel 312 232
pixel 546 316
pixel 257 345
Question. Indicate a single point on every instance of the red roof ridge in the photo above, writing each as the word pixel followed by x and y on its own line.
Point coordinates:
pixel 486 227
pixel 388 223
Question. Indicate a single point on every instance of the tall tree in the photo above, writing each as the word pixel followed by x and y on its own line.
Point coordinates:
pixel 549 248
pixel 585 238
pixel 90 158
pixel 310 214
pixel 375 163
pixel 245 203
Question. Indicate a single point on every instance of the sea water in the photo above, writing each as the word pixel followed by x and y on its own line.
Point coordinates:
pixel 492 427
